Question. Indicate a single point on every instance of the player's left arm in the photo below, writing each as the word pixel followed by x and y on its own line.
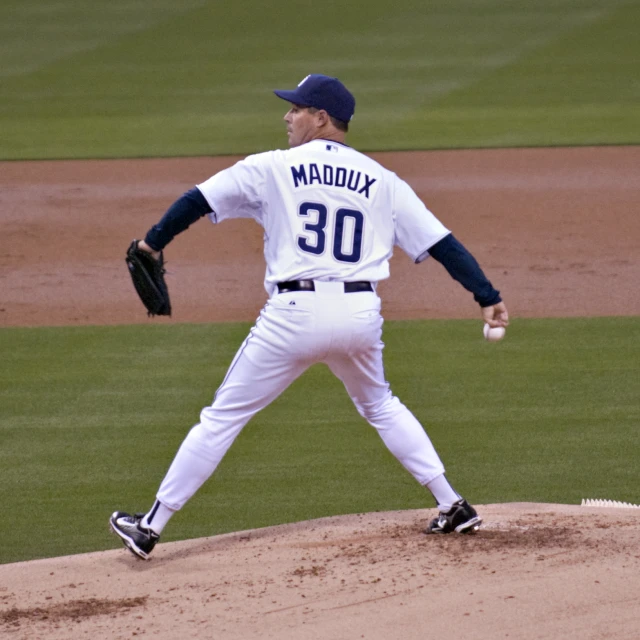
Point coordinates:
pixel 231 192
pixel 180 216
pixel 464 268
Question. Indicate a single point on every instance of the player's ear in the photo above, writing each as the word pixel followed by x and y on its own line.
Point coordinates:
pixel 322 117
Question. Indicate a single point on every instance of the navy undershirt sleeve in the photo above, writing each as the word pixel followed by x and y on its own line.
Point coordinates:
pixel 181 214
pixel 464 268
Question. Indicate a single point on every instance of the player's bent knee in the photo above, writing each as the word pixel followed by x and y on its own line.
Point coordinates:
pixel 382 414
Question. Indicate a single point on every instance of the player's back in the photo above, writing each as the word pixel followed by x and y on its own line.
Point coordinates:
pixel 327 214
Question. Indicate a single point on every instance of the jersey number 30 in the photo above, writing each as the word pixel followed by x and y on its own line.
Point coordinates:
pixel 347 232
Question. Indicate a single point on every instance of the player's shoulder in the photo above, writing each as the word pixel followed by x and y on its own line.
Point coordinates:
pixel 335 152
pixel 261 158
pixel 257 164
pixel 370 164
pixel 322 151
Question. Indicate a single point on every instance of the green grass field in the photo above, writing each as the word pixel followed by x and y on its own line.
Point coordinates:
pixel 159 78
pixel 91 418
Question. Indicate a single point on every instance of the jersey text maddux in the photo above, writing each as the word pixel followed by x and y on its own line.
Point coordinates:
pixel 329 175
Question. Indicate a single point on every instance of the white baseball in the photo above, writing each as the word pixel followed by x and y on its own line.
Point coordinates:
pixel 493 333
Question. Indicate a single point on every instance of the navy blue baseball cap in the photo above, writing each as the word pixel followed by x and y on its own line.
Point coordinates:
pixel 322 92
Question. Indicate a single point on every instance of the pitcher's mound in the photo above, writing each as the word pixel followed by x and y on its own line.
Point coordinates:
pixel 532 571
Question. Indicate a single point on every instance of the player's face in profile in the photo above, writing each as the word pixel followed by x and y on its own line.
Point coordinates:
pixel 300 125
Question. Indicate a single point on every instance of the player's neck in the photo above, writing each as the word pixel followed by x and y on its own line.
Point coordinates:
pixel 331 136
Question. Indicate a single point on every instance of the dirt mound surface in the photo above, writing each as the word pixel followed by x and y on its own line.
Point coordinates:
pixel 532 571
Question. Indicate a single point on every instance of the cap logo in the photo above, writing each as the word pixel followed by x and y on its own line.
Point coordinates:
pixel 303 81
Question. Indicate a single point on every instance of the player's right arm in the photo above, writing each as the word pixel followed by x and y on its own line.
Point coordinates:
pixel 420 234
pixel 464 268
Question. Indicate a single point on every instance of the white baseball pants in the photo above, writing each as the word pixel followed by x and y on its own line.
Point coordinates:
pixel 294 331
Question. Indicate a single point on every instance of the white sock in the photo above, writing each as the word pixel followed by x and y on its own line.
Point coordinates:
pixel 157 517
pixel 443 493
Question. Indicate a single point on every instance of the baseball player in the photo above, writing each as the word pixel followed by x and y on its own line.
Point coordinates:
pixel 331 217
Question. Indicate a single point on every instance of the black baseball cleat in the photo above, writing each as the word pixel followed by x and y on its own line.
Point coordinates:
pixel 137 539
pixel 461 518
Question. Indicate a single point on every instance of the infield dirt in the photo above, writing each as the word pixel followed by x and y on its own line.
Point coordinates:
pixel 555 229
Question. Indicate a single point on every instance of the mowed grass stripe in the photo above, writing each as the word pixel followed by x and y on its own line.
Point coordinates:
pixel 90 418
pixel 197 80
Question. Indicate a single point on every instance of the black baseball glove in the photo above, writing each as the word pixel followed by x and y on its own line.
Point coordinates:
pixel 147 274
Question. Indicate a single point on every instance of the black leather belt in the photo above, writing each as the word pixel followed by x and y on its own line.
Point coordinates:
pixel 307 285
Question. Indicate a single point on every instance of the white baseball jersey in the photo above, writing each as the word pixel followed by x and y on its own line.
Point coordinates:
pixel 328 212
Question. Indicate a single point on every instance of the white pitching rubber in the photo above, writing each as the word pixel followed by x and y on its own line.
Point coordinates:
pixel 608 503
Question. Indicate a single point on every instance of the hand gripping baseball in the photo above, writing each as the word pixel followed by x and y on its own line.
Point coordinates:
pixel 147 274
pixel 496 315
